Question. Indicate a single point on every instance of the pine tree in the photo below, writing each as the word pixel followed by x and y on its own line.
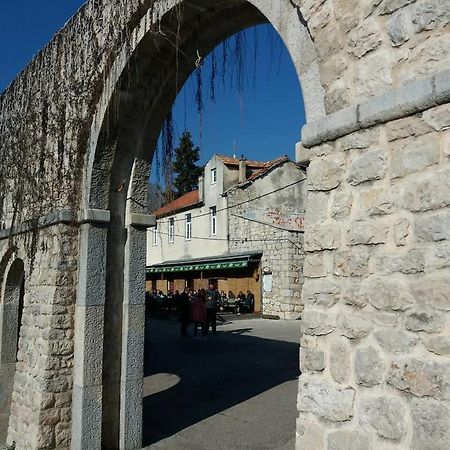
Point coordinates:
pixel 185 167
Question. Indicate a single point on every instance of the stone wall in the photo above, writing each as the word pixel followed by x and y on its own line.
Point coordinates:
pixel 282 250
pixel 41 402
pixel 375 351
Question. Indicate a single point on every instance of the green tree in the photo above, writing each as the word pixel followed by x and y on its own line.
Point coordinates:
pixel 185 165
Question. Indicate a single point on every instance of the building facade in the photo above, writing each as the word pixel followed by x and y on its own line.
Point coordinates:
pixel 242 230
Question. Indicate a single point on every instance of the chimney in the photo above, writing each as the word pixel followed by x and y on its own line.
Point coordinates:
pixel 201 189
pixel 242 170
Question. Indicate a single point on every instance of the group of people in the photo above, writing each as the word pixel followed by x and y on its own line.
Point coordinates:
pixel 237 304
pixel 201 308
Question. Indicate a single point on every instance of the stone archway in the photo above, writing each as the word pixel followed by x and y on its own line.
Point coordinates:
pixel 110 310
pixel 11 308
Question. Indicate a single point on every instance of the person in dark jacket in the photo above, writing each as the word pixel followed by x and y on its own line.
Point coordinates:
pixel 212 296
pixel 184 309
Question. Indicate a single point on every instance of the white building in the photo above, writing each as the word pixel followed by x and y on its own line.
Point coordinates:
pixel 209 234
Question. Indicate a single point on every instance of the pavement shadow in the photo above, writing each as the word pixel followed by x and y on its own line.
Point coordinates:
pixel 214 375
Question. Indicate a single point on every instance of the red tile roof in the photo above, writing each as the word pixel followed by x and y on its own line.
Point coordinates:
pixel 235 162
pixel 267 167
pixel 186 200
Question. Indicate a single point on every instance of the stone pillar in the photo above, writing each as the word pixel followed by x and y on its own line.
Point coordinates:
pixel 133 329
pixel 89 319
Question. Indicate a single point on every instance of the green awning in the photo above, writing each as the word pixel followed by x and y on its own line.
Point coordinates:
pixel 235 264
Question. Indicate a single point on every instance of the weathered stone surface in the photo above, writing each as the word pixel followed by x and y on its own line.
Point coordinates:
pixel 369 166
pixel 325 400
pixel 415 154
pixel 322 237
pixel 437 256
pixel 339 360
pixel 316 323
pixel 407 127
pixel 313 361
pixel 420 378
pixel 430 14
pixel 438 118
pixel 399 29
pixel 342 205
pixel 408 263
pixel 317 210
pixel 386 415
pixel 351 263
pixel 375 202
pixel 427 191
pixel 360 140
pixel 425 320
pixel 389 294
pixel 433 291
pixel 401 231
pixel 354 295
pixel 354 327
pixel 390 6
pixel 369 366
pixel 396 340
pixel 326 173
pixel 310 435
pixel 323 292
pixel 431 424
pixel 438 344
pixel 365 38
pixel 314 266
pixel 434 227
pixel 348 440
pixel 368 232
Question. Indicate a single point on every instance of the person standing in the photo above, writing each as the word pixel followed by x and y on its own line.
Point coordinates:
pixel 184 308
pixel 199 313
pixel 212 295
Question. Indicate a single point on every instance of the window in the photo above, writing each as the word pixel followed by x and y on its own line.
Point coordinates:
pixel 171 229
pixel 155 235
pixel 188 234
pixel 213 220
pixel 213 176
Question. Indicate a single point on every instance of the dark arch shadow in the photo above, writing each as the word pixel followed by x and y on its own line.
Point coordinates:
pixel 223 372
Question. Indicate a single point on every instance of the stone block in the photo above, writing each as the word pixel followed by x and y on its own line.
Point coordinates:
pixel 406 127
pixel 397 103
pixel 438 118
pixel 351 263
pixel 433 291
pixel 312 361
pixel 348 440
pixel 321 292
pixel 368 232
pixel 316 323
pixel 375 202
pixel 326 400
pixel 425 320
pixel 322 237
pixel 317 210
pixel 385 415
pixel 339 360
pixel 354 295
pixel 369 366
pixel 359 140
pixel 430 15
pixel 314 266
pixel 401 231
pixel 310 435
pixel 365 38
pixel 326 173
pixel 431 424
pixel 369 166
pixel 414 155
pixel 389 294
pixel 442 86
pixel 399 28
pixel 393 5
pixel 437 344
pixel 426 192
pixel 342 205
pixel 396 340
pixel 420 378
pixel 434 227
pixel 354 327
pixel 437 256
pixel 408 263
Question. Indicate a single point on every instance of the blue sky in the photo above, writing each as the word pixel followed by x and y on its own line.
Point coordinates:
pixel 264 118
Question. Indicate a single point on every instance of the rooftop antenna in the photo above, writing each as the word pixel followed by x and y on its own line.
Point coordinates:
pixel 234 149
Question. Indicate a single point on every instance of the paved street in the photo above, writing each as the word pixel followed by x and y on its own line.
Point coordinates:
pixel 236 390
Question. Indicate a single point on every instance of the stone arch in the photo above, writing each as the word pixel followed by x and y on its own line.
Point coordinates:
pixel 11 308
pixel 142 85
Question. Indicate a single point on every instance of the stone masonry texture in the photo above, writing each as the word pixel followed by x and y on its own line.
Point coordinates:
pixel 375 302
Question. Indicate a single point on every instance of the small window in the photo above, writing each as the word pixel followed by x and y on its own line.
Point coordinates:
pixel 213 176
pixel 188 234
pixel 155 235
pixel 213 211
pixel 171 229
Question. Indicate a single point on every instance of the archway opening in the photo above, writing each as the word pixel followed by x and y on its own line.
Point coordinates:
pixel 11 309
